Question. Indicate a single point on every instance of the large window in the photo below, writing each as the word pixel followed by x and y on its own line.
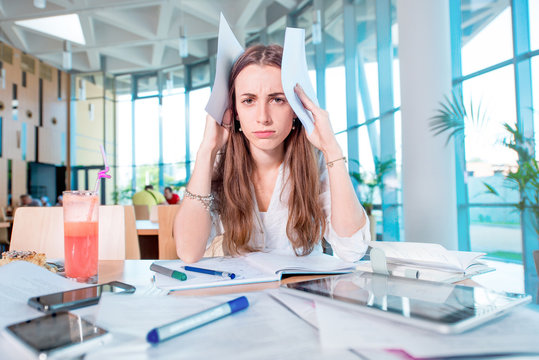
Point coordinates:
pixel 535 92
pixel 146 142
pixel 486 34
pixel 534 24
pixel 174 139
pixel 487 44
pixel 197 118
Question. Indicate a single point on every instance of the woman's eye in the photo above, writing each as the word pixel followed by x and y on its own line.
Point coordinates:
pixel 247 101
pixel 279 100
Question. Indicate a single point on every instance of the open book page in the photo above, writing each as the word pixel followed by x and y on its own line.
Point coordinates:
pixel 252 268
pixel 289 264
pixel 426 255
pixel 245 274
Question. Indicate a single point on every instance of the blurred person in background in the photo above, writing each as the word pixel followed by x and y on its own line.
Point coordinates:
pixel 172 198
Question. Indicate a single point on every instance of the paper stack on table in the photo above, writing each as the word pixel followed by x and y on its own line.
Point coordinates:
pixel 515 333
pixel 265 330
pixel 21 280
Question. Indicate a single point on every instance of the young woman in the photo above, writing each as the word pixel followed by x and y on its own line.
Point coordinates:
pixel 262 182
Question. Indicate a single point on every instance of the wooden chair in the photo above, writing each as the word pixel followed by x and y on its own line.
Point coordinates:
pixel 132 247
pixel 42 229
pixel 142 212
pixel 167 245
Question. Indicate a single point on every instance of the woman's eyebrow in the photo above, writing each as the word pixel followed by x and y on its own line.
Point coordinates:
pixel 276 94
pixel 248 94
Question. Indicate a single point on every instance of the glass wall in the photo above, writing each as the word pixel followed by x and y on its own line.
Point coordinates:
pixel 535 92
pixel 197 119
pixel 488 87
pixel 534 24
pixel 486 34
pixel 146 142
pixel 124 140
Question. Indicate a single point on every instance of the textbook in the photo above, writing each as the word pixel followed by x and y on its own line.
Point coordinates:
pixel 428 261
pixel 251 268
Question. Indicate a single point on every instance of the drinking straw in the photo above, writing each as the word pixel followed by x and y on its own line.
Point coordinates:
pixel 101 174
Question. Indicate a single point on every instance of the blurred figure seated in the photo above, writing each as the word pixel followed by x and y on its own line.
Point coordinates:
pixel 149 197
pixel 45 201
pixel 172 198
pixel 60 200
pixel 26 200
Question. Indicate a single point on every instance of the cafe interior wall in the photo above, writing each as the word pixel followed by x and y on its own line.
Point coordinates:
pixel 93 125
pixel 27 134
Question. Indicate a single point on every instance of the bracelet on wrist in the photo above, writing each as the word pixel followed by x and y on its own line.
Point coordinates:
pixel 331 163
pixel 205 200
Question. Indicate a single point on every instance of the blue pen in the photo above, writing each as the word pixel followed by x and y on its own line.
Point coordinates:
pixel 210 272
pixel 189 323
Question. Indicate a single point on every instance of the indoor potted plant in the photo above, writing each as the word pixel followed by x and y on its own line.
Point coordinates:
pixel 453 117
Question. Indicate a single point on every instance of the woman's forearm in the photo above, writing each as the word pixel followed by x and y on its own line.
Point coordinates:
pixel 347 215
pixel 192 224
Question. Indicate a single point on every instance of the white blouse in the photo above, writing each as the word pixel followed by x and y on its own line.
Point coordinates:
pixel 270 227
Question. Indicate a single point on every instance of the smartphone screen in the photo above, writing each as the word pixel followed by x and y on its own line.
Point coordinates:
pixel 77 298
pixel 55 332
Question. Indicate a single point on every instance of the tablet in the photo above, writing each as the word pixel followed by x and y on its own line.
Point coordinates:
pixel 444 308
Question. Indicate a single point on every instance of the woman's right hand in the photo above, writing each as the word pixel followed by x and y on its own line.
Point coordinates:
pixel 215 135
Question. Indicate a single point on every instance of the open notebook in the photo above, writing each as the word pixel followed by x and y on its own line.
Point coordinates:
pixel 251 268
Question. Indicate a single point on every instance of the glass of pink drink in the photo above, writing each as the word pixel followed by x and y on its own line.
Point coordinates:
pixel 81 213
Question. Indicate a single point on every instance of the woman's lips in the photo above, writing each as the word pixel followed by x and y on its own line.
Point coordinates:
pixel 263 134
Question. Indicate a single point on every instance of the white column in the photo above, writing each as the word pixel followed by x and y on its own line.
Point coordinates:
pixel 428 165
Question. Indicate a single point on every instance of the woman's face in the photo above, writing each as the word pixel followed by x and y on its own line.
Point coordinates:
pixel 264 114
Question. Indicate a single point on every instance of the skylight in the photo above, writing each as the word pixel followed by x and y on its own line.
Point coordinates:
pixel 65 27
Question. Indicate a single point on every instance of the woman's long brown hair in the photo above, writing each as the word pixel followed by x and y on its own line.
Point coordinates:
pixel 232 186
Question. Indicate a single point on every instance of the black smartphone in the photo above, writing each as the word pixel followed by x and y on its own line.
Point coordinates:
pixel 58 335
pixel 74 299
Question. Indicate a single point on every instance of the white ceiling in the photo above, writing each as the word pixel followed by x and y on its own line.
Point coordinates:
pixel 136 35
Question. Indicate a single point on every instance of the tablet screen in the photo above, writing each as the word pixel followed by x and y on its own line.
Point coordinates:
pixel 439 306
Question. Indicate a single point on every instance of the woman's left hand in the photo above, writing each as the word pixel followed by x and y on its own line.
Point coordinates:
pixel 322 136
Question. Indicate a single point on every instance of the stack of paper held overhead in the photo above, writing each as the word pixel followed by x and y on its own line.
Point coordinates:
pixel 251 268
pixel 428 261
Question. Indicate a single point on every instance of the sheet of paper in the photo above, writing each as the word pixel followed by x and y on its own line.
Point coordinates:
pixel 515 333
pixel 21 280
pixel 265 330
pixel 228 50
pixel 303 308
pixel 294 71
